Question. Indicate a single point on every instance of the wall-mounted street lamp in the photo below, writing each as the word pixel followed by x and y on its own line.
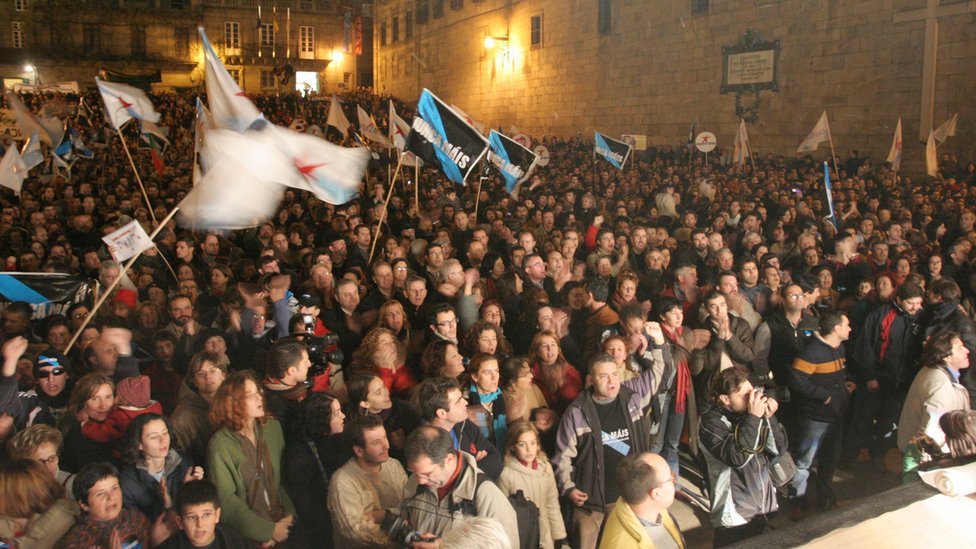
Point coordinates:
pixel 492 41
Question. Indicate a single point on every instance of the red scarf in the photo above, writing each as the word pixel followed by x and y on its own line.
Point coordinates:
pixel 684 374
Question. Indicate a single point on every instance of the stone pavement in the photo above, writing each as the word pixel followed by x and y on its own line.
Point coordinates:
pixel 853 483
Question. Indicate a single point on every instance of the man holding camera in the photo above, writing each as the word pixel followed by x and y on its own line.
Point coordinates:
pixel 445 489
pixel 740 437
pixel 819 378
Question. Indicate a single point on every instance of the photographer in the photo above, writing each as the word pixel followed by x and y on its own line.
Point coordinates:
pixel 740 437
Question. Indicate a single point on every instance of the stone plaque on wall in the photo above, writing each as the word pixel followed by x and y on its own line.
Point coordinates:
pixel 750 65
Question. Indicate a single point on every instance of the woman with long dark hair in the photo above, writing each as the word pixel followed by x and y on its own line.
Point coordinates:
pixel 154 470
pixel 309 462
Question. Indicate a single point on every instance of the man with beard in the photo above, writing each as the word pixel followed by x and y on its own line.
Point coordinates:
pixel 338 253
pixel 184 327
pixel 364 490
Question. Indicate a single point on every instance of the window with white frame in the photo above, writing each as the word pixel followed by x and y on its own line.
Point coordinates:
pixel 267 35
pixel 235 74
pixel 20 5
pixel 232 35
pixel 306 42
pixel 17 34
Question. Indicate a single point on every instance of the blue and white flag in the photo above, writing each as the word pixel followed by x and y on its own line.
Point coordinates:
pixel 830 196
pixel 613 151
pixel 231 108
pixel 442 138
pixel 514 161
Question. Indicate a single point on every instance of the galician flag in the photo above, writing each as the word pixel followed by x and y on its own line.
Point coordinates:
pixel 947 129
pixel 819 134
pixel 123 103
pixel 367 127
pixel 399 130
pixel 12 170
pixel 741 149
pixel 337 119
pixel 231 108
pixel 894 155
pixel 931 158
pixel 48 128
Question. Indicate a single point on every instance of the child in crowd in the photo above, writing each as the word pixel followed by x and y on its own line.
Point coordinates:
pixel 527 469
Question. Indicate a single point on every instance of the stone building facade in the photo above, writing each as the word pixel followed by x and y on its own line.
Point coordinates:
pixel 652 67
pixel 155 42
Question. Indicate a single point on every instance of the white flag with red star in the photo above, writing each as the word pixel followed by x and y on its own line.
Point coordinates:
pixel 231 108
pixel 368 129
pixel 123 103
pixel 332 173
pixel 894 155
pixel 399 130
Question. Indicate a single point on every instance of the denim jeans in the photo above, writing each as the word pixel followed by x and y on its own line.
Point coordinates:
pixel 820 440
pixel 669 436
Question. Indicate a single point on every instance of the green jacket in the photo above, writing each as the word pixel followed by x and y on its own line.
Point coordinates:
pixel 224 459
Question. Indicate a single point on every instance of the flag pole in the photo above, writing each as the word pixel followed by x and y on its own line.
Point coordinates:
pixel 416 185
pixel 135 171
pixel 379 224
pixel 833 155
pixel 168 266
pixel 115 283
pixel 477 199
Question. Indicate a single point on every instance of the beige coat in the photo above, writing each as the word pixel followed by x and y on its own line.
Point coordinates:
pixel 934 389
pixel 539 487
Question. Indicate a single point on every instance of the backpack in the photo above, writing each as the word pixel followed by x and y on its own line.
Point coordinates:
pixel 526 513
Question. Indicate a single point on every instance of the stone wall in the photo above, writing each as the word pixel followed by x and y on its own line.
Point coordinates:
pixel 661 67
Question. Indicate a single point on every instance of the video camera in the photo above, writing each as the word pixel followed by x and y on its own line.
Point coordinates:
pixel 317 346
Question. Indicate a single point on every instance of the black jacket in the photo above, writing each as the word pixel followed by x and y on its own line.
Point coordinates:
pixel 818 373
pixel 887 348
pixel 471 440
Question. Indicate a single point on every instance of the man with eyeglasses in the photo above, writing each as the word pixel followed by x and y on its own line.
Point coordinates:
pixel 445 489
pixel 640 517
pixel 536 274
pixel 787 329
pixel 443 323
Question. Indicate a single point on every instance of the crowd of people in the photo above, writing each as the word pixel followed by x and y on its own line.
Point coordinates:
pixel 479 368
